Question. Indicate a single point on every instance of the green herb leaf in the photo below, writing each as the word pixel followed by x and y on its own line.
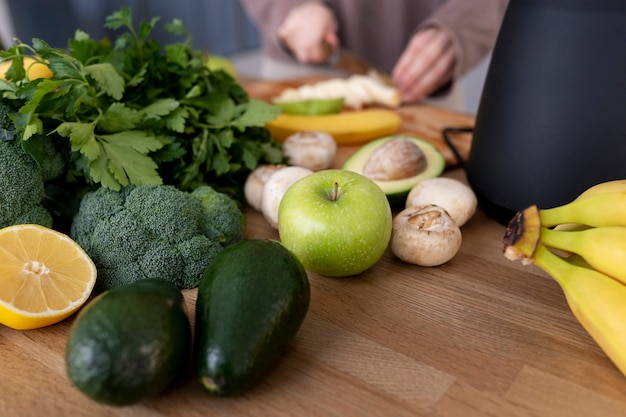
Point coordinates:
pixel 223 114
pixel 99 172
pixel 257 113
pixel 82 138
pixel 70 99
pixel 177 54
pixel 176 120
pixel 119 18
pixel 146 27
pixel 249 159
pixel 176 27
pixel 107 78
pixel 42 47
pixel 34 127
pixel 7 86
pixel 127 157
pixel 118 117
pixel 159 108
pixel 16 70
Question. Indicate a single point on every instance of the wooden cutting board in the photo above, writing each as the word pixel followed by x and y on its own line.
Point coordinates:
pixel 421 120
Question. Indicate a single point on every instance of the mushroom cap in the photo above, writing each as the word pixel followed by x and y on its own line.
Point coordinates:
pixel 255 182
pixel 425 235
pixel 275 188
pixel 310 149
pixel 457 198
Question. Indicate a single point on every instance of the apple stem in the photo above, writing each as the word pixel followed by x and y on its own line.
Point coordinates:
pixel 335 195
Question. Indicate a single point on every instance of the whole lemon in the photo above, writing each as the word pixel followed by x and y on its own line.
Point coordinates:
pixel 34 69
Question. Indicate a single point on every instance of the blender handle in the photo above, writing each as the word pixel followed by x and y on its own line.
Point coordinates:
pixel 446 137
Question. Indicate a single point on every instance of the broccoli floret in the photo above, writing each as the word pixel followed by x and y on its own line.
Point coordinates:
pixel 195 251
pixel 148 231
pixel 96 207
pixel 25 167
pixel 47 155
pixel 7 129
pixel 161 209
pixel 21 187
pixel 223 219
pixel 39 146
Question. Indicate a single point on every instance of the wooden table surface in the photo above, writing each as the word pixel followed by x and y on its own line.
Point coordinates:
pixel 478 336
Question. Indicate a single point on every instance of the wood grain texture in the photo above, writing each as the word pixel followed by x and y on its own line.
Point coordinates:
pixel 478 336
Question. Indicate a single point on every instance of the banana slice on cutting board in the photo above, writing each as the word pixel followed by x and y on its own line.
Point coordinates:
pixel 357 91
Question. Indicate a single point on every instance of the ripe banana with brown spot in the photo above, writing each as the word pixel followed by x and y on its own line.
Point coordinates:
pixel 582 245
pixel 596 211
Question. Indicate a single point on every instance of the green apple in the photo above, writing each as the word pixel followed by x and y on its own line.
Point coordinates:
pixel 338 223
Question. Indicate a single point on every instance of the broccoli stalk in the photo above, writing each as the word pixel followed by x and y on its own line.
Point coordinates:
pixel 154 231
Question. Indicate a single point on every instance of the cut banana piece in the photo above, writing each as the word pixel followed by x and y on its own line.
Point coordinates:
pixel 357 91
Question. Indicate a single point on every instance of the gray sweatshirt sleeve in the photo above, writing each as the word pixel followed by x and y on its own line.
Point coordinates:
pixel 378 31
pixel 474 26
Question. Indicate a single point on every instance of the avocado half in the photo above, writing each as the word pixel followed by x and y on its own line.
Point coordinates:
pixel 314 106
pixel 397 190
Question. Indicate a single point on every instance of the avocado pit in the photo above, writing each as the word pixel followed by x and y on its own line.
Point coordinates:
pixel 396 164
pixel 395 159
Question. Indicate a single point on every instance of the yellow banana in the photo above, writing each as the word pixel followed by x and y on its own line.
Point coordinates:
pixel 347 128
pixel 606 187
pixel 604 248
pixel 596 300
pixel 596 211
pixel 615 186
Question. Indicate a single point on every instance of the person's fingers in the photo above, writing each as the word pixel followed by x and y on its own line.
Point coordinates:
pixel 308 31
pixel 435 77
pixel 312 52
pixel 426 65
pixel 404 66
pixel 331 38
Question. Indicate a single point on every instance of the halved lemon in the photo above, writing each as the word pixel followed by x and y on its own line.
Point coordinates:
pixel 45 276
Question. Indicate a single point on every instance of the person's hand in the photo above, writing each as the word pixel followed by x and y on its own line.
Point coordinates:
pixel 426 64
pixel 310 32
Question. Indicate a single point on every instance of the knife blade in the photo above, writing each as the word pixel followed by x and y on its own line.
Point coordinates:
pixel 352 64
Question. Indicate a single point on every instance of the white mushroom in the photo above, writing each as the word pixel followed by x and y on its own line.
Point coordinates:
pixel 275 188
pixel 456 197
pixel 425 235
pixel 253 188
pixel 310 149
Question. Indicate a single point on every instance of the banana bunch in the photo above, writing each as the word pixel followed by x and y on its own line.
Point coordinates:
pixel 582 245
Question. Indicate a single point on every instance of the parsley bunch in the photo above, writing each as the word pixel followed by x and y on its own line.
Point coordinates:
pixel 139 112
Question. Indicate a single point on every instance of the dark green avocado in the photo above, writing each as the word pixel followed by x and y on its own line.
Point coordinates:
pixel 129 343
pixel 251 301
